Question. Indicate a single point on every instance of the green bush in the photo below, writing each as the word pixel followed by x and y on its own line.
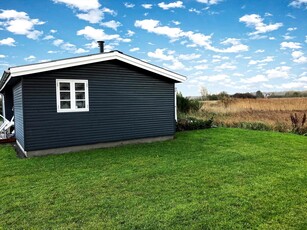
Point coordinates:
pixel 248 125
pixel 193 124
pixel 186 105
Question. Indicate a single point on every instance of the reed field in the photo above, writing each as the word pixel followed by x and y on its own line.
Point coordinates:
pixel 272 113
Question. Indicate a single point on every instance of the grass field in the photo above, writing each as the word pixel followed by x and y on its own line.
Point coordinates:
pixel 209 179
pixel 274 113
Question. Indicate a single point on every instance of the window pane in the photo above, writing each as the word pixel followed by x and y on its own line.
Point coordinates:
pixel 65 95
pixel 79 86
pixel 65 104
pixel 64 86
pixel 80 104
pixel 80 95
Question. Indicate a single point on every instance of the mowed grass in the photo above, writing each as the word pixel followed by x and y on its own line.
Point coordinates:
pixel 273 112
pixel 208 179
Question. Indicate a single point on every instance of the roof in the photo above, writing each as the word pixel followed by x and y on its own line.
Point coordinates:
pixel 82 60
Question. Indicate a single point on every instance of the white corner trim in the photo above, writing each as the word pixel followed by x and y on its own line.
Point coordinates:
pixel 115 55
pixel 21 148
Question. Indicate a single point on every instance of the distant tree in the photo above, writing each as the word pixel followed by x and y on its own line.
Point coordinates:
pixel 244 95
pixel 225 98
pixel 203 92
pixel 259 94
pixel 212 97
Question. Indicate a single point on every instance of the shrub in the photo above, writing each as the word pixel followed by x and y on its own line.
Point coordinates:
pixel 298 124
pixel 247 125
pixel 193 124
pixel 186 105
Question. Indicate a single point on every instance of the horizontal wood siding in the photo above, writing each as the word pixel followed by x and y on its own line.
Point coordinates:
pixel 18 114
pixel 125 103
pixel 8 103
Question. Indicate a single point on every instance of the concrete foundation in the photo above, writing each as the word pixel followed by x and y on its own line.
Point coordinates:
pixel 93 146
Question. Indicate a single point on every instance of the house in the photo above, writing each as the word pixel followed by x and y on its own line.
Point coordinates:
pixel 90 101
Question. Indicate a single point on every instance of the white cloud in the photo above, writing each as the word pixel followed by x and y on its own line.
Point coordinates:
pixel 58 42
pixel 298 57
pixel 266 60
pixel 7 42
pixel 256 22
pixel 80 51
pixel 129 5
pixel 292 85
pixel 215 78
pixel 164 55
pixel 92 16
pixel 159 54
pixel 209 2
pixel 268 14
pixel 288 37
pixel 227 66
pixel 20 23
pixel 134 49
pixel 53 31
pixel 111 24
pixel 52 52
pixel 130 33
pixel 80 4
pixel 198 39
pixel 278 72
pixel 2 56
pixel 302 79
pixel 176 65
pixel 292 28
pixel 298 3
pixel 68 47
pixel 91 33
pixel 235 47
pixel 238 75
pixel 201 67
pixel 164 6
pixel 188 57
pixel 193 10
pixel 48 37
pixel 176 22
pixel 30 58
pixel 259 51
pixel 256 79
pixel 89 10
pixel 147 6
pixel 153 26
pixel 290 45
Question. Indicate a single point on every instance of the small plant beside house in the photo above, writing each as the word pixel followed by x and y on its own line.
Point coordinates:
pixel 186 109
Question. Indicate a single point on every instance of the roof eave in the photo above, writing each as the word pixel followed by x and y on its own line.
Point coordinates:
pixel 4 79
pixel 65 63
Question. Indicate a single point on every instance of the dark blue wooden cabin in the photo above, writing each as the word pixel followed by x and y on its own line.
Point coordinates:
pixel 87 102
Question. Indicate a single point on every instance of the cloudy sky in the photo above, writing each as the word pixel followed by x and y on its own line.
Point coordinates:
pixel 223 45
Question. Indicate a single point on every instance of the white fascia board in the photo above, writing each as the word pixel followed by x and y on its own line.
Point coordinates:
pixel 150 67
pixel 60 64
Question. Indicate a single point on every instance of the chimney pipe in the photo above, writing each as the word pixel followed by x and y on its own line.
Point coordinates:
pixel 101 46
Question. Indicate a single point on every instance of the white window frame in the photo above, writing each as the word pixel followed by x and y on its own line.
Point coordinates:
pixel 72 96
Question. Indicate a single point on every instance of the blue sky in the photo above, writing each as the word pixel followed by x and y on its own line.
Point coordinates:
pixel 223 45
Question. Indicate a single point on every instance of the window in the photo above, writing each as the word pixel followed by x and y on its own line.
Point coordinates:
pixel 72 95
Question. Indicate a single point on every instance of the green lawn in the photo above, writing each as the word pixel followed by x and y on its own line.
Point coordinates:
pixel 209 179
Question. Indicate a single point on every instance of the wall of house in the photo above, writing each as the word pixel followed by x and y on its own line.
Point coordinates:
pixel 8 103
pixel 18 114
pixel 125 103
